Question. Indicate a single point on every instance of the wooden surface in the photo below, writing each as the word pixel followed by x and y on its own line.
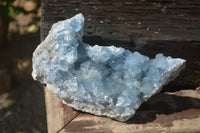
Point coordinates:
pixel 58 114
pixel 165 112
pixel 123 20
pixel 171 27
pixel 164 123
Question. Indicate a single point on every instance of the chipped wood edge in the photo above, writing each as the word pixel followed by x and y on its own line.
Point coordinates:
pixel 58 114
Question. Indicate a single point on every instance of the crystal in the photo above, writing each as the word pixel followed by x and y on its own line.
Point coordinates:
pixel 102 80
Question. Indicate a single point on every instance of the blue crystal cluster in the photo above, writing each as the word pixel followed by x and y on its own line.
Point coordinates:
pixel 107 81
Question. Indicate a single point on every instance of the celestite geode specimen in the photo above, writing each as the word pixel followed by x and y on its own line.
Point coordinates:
pixel 106 81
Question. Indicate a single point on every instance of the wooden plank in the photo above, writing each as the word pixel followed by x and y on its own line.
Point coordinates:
pixel 157 19
pixel 58 114
pixel 169 112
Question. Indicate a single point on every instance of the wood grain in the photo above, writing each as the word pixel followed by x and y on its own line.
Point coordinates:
pixel 58 114
pixel 123 20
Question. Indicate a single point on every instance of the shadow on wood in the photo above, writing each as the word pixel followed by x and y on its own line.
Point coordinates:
pixel 164 104
pixel 163 112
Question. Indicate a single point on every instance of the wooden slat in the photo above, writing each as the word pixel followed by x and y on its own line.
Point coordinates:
pixel 58 114
pixel 160 20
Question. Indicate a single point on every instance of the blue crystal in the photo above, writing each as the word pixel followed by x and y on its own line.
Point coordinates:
pixel 107 81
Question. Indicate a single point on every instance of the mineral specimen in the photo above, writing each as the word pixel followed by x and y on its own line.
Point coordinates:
pixel 106 81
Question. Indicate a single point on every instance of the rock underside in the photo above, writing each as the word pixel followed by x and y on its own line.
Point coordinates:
pixel 106 81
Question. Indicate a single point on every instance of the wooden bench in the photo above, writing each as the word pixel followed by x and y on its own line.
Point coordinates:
pixel 171 27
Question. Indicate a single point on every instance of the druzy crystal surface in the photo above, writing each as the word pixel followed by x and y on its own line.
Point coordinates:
pixel 106 81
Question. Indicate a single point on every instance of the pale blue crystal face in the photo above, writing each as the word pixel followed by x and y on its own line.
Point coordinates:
pixel 107 81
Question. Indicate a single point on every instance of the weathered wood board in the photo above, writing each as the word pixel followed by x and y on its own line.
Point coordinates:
pixel 122 20
pixel 165 112
pixel 58 114
pixel 171 27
